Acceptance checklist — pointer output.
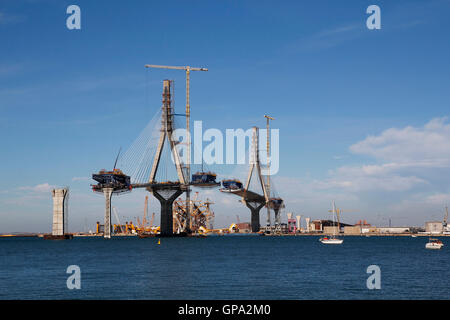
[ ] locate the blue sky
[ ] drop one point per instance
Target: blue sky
(361, 113)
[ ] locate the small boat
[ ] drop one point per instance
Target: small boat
(413, 236)
(331, 240)
(434, 244)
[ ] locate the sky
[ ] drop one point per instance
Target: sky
(362, 114)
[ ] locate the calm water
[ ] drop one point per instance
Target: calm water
(233, 267)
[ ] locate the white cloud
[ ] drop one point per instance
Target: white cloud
(438, 199)
(427, 146)
(40, 188)
(405, 158)
(370, 177)
(408, 178)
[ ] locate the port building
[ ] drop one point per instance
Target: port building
(396, 230)
(434, 227)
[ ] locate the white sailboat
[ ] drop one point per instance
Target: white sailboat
(333, 239)
(434, 244)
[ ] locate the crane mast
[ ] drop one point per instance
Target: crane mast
(144, 220)
(268, 118)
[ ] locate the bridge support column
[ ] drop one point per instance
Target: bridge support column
(59, 211)
(167, 210)
(277, 220)
(277, 216)
(255, 207)
(107, 227)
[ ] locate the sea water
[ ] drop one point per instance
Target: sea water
(223, 267)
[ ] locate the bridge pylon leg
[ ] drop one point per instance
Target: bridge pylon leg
(277, 216)
(167, 211)
(255, 207)
(107, 226)
(277, 220)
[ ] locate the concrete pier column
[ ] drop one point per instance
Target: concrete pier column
(107, 227)
(167, 210)
(60, 197)
(255, 208)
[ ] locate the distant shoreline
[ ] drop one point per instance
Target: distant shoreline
(40, 235)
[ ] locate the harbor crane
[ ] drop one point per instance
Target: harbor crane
(338, 215)
(188, 70)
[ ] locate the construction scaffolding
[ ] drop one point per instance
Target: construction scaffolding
(201, 217)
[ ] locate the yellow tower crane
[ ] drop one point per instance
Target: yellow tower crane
(188, 70)
(338, 215)
(268, 118)
(144, 220)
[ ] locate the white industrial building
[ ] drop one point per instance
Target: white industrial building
(434, 227)
(393, 229)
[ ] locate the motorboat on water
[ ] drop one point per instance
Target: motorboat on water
(434, 244)
(331, 240)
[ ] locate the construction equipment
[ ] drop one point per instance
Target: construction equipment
(200, 219)
(233, 228)
(115, 179)
(151, 221)
(188, 70)
(145, 226)
(209, 214)
(140, 225)
(118, 228)
(144, 221)
(338, 215)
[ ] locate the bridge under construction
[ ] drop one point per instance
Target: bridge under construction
(167, 191)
